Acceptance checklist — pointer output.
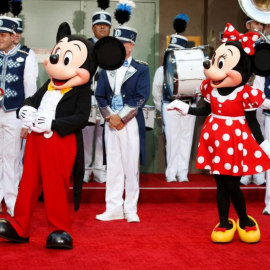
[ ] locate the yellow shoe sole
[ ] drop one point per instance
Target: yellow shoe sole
(250, 237)
(219, 237)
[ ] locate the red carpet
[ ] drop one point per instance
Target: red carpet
(170, 236)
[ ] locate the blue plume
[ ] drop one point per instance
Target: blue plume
(182, 16)
(124, 7)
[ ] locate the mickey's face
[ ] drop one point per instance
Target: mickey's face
(64, 64)
(220, 70)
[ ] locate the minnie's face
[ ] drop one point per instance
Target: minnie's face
(220, 72)
(64, 64)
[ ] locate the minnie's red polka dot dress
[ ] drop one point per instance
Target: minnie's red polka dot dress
(227, 145)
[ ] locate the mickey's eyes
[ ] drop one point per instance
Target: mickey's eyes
(221, 62)
(68, 58)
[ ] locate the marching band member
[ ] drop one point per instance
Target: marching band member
(121, 95)
(178, 130)
(92, 135)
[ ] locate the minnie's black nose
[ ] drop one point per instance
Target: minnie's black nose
(206, 64)
(54, 59)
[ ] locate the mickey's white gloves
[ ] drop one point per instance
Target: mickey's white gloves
(265, 145)
(180, 106)
(28, 114)
(43, 123)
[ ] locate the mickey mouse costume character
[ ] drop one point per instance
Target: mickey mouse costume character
(231, 143)
(56, 115)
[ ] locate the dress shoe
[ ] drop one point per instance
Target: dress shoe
(182, 178)
(223, 235)
(266, 210)
(59, 240)
(171, 179)
(107, 216)
(249, 235)
(11, 213)
(132, 217)
(245, 180)
(259, 179)
(8, 232)
(99, 176)
(86, 178)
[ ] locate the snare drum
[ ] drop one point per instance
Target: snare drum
(183, 72)
(149, 113)
(93, 116)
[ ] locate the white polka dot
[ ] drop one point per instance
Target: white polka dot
(254, 92)
(200, 160)
(207, 167)
(246, 95)
(242, 121)
(215, 127)
(226, 137)
(259, 168)
(228, 166)
(229, 122)
(238, 132)
(255, 37)
(245, 135)
(210, 149)
(240, 146)
(211, 119)
(216, 159)
(219, 111)
(233, 37)
(208, 96)
(235, 169)
(224, 39)
(219, 105)
(231, 28)
(216, 143)
(245, 168)
(247, 50)
(244, 152)
(206, 136)
(258, 154)
(230, 151)
(245, 39)
(216, 172)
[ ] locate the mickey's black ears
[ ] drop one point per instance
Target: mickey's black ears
(63, 31)
(261, 60)
(109, 53)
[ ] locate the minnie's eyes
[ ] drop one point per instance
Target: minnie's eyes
(221, 63)
(68, 58)
(58, 51)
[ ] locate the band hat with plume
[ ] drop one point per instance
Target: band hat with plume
(122, 14)
(7, 24)
(179, 24)
(16, 9)
(102, 16)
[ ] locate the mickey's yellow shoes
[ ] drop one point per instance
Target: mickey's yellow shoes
(249, 235)
(222, 235)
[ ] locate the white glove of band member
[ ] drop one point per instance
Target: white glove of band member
(28, 114)
(43, 123)
(265, 145)
(266, 104)
(178, 105)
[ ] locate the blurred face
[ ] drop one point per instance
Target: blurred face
(17, 39)
(267, 29)
(129, 47)
(254, 25)
(101, 30)
(6, 41)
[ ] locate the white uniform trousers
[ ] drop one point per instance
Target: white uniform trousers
(10, 144)
(267, 137)
(122, 151)
(179, 136)
(93, 150)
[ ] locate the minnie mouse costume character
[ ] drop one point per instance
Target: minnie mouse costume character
(56, 115)
(231, 143)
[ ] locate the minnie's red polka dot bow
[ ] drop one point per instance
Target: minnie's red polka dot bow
(247, 40)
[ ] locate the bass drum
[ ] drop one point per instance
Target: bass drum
(183, 72)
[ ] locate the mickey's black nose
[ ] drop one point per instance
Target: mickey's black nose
(54, 59)
(206, 64)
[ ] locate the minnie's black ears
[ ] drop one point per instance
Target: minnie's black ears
(261, 60)
(109, 53)
(63, 31)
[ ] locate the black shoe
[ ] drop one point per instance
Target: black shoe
(59, 240)
(9, 233)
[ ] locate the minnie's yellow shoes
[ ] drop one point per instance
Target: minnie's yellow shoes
(249, 235)
(222, 235)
